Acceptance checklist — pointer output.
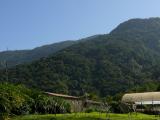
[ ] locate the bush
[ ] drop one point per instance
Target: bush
(119, 107)
(18, 100)
(89, 110)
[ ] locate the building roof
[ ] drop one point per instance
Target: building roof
(73, 98)
(62, 95)
(93, 102)
(148, 103)
(142, 98)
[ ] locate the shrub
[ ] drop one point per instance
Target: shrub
(19, 100)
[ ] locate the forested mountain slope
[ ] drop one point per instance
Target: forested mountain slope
(24, 56)
(103, 65)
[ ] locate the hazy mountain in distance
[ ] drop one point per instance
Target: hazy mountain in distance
(24, 56)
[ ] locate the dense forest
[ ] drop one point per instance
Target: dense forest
(16, 57)
(126, 58)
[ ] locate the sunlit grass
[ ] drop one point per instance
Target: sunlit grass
(87, 116)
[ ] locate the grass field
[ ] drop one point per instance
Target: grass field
(88, 116)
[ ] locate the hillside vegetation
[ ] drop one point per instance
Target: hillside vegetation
(103, 65)
(14, 58)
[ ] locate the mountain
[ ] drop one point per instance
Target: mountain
(127, 57)
(25, 56)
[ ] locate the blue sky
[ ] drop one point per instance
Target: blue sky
(25, 24)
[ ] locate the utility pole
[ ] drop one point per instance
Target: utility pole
(4, 65)
(6, 69)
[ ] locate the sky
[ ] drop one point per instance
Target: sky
(26, 24)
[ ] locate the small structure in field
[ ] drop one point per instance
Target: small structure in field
(78, 104)
(143, 102)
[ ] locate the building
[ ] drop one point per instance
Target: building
(78, 104)
(143, 102)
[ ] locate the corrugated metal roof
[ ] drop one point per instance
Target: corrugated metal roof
(62, 95)
(148, 103)
(93, 102)
(142, 97)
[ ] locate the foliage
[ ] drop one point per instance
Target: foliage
(102, 65)
(24, 56)
(18, 100)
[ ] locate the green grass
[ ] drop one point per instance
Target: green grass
(88, 116)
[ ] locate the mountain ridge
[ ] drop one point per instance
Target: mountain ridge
(103, 65)
(15, 57)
